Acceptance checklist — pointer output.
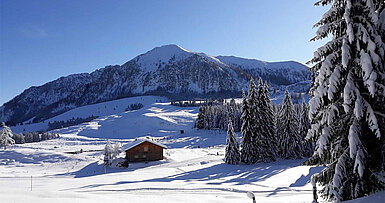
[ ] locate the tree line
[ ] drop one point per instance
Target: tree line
(268, 131)
(7, 137)
(70, 122)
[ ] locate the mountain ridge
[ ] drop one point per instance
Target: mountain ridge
(168, 70)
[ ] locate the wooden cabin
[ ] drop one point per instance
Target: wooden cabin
(143, 151)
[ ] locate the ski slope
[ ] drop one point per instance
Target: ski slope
(192, 171)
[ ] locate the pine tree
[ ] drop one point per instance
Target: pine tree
(276, 109)
(303, 127)
(232, 155)
(108, 153)
(200, 120)
(348, 94)
(6, 136)
(265, 142)
(270, 120)
(289, 141)
(247, 151)
(255, 117)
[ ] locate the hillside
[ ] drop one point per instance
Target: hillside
(192, 171)
(193, 164)
(101, 110)
(168, 70)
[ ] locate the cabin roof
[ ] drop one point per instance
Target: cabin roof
(140, 141)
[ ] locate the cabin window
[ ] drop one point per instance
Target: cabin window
(136, 156)
(144, 156)
(145, 148)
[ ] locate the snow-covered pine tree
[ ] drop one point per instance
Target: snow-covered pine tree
(6, 136)
(232, 155)
(270, 118)
(276, 109)
(288, 138)
(234, 115)
(347, 106)
(201, 118)
(247, 150)
(303, 127)
(265, 148)
(255, 117)
(108, 153)
(207, 118)
(230, 109)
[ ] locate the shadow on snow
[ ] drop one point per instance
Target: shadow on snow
(219, 174)
(10, 157)
(96, 168)
(303, 180)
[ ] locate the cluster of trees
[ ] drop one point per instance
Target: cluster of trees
(135, 106)
(33, 137)
(216, 117)
(192, 103)
(70, 122)
(347, 110)
(7, 137)
(269, 132)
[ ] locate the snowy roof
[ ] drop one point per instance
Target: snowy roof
(138, 142)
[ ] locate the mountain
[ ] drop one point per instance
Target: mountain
(280, 73)
(168, 70)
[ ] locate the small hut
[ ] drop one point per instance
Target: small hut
(143, 150)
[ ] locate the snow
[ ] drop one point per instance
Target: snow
(345, 53)
(101, 109)
(261, 65)
(138, 142)
(193, 169)
(375, 198)
(160, 56)
(246, 63)
(188, 174)
(355, 146)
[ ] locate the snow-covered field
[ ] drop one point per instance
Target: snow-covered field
(193, 170)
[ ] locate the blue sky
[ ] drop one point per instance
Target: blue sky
(42, 40)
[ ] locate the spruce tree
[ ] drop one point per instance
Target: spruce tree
(232, 155)
(247, 151)
(200, 120)
(289, 141)
(347, 99)
(263, 126)
(270, 120)
(303, 127)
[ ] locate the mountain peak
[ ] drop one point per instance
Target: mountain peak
(159, 56)
(171, 48)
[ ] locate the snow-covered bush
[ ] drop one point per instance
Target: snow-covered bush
(119, 163)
